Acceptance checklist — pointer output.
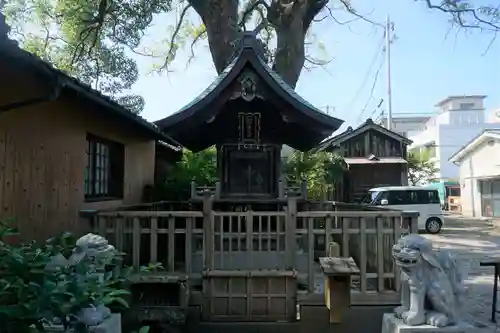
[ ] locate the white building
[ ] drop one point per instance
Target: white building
(459, 119)
(479, 165)
(405, 124)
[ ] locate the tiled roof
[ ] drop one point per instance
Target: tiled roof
(246, 53)
(333, 141)
(15, 53)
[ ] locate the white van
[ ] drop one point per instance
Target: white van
(411, 198)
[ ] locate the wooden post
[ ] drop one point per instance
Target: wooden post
(333, 250)
(338, 273)
(290, 227)
(207, 231)
(281, 189)
(217, 190)
(303, 189)
(193, 189)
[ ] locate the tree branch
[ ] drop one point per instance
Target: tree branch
(193, 43)
(458, 9)
(172, 46)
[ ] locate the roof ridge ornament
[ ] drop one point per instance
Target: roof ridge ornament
(248, 40)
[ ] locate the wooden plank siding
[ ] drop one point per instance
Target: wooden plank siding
(42, 158)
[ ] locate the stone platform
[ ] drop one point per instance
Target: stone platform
(391, 324)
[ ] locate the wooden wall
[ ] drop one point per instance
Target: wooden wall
(42, 158)
(363, 177)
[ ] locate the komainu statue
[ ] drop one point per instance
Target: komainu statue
(432, 289)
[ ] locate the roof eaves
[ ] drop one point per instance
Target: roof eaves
(466, 148)
(68, 81)
(287, 89)
(205, 96)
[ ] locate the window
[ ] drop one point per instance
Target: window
(453, 191)
(466, 106)
(428, 197)
(104, 170)
(409, 197)
(399, 198)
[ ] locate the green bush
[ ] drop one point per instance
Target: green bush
(31, 295)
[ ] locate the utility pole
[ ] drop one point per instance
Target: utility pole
(388, 65)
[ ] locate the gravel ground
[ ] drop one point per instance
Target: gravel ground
(473, 241)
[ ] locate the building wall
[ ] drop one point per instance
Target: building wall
(42, 159)
(460, 120)
(482, 162)
(405, 125)
(464, 102)
(451, 139)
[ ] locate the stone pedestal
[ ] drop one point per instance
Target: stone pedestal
(111, 325)
(391, 324)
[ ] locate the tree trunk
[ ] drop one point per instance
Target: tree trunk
(221, 21)
(290, 18)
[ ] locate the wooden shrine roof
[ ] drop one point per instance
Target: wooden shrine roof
(367, 125)
(207, 106)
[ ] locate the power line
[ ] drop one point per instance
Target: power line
(375, 79)
(376, 55)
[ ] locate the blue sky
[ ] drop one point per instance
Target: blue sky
(427, 65)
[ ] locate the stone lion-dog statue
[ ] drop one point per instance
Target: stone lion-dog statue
(432, 288)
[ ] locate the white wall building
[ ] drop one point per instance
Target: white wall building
(479, 163)
(406, 125)
(459, 119)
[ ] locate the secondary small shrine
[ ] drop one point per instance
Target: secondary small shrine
(248, 113)
(375, 157)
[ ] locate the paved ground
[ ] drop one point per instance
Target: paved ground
(472, 241)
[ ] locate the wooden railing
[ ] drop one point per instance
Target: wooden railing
(155, 237)
(191, 242)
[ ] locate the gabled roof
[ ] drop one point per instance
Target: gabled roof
(470, 146)
(10, 51)
(350, 133)
(248, 53)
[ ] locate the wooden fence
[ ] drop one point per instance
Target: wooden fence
(189, 243)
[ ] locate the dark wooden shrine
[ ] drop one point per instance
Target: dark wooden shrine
(375, 157)
(248, 113)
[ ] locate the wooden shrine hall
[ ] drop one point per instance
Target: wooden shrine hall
(249, 112)
(375, 157)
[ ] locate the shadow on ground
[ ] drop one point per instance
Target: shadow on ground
(472, 241)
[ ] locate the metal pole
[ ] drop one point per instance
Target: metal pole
(388, 64)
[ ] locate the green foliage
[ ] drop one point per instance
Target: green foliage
(321, 170)
(152, 268)
(420, 170)
(31, 294)
(70, 35)
(200, 167)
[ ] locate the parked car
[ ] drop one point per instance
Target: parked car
(411, 198)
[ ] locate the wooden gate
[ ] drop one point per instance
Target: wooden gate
(266, 295)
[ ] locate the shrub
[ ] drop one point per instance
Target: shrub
(31, 295)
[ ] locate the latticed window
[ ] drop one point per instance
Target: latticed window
(104, 169)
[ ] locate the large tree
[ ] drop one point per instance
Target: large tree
(88, 38)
